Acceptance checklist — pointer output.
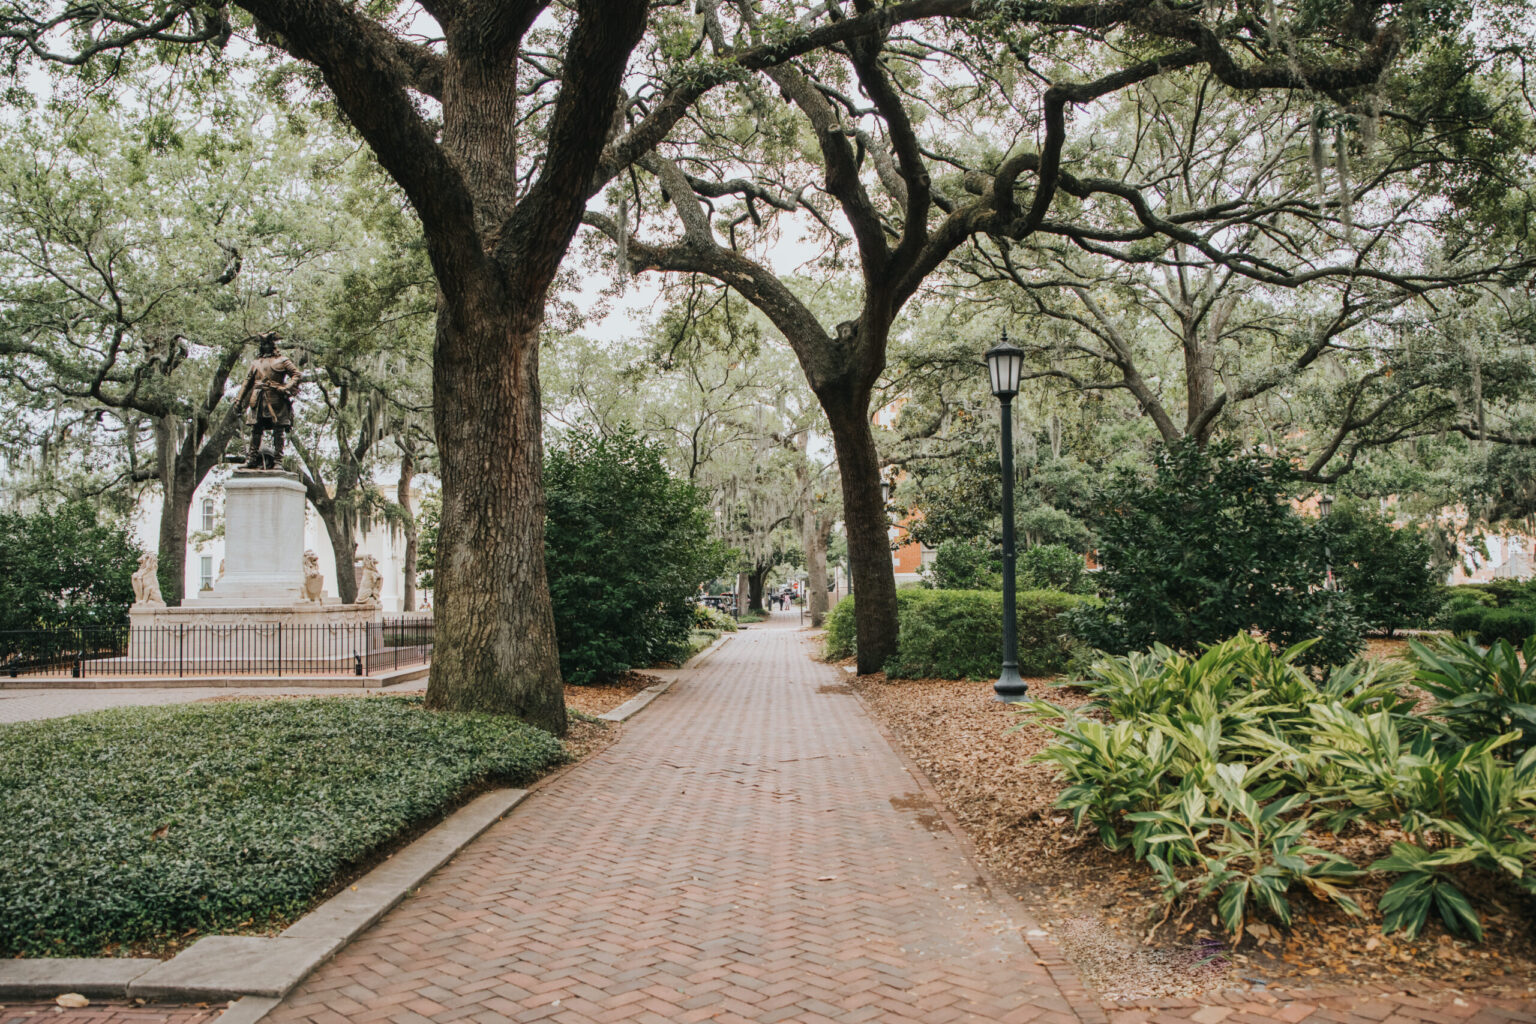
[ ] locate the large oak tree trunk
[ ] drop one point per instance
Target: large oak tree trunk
(495, 644)
(868, 525)
(755, 580)
(175, 510)
(817, 532)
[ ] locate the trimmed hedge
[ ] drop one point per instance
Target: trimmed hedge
(137, 826)
(955, 634)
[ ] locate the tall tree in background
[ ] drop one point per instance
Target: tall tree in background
(499, 184)
(139, 251)
(861, 140)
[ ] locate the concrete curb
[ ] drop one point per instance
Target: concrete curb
(624, 712)
(261, 968)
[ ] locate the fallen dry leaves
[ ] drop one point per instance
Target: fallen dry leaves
(1100, 904)
(602, 698)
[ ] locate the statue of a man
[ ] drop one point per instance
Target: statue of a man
(267, 400)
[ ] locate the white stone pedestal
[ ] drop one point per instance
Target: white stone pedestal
(263, 541)
(256, 618)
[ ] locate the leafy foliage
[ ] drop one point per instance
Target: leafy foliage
(705, 617)
(958, 634)
(65, 568)
(1208, 546)
(626, 546)
(1482, 694)
(963, 565)
(1223, 770)
(1053, 567)
(1386, 570)
(137, 825)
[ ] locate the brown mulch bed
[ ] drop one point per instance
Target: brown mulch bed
(1101, 905)
(604, 697)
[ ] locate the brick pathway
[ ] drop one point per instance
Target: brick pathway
(751, 850)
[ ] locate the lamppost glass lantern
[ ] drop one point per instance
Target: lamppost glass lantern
(1005, 366)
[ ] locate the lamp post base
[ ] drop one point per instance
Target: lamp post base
(1010, 687)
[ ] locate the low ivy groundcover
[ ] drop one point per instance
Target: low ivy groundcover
(133, 827)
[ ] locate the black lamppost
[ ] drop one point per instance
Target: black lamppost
(1325, 506)
(1005, 363)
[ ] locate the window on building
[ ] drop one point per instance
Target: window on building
(206, 571)
(207, 517)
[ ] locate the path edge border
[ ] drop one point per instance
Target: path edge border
(257, 982)
(1084, 1004)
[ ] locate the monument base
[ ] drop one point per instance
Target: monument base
(305, 638)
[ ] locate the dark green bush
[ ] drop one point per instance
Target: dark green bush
(1210, 545)
(1466, 619)
(955, 634)
(1385, 569)
(841, 640)
(1052, 567)
(626, 547)
(964, 565)
(64, 568)
(958, 634)
(136, 825)
(1511, 624)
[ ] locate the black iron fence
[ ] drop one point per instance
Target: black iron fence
(248, 649)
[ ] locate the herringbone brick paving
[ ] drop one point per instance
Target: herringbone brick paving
(741, 854)
(751, 850)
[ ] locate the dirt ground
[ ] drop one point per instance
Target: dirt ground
(599, 700)
(1102, 906)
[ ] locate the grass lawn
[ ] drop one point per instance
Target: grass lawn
(132, 829)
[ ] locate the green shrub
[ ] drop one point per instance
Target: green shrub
(1386, 570)
(958, 634)
(841, 640)
(1053, 567)
(964, 565)
(1210, 545)
(1509, 624)
(705, 617)
(1221, 769)
(64, 568)
(1466, 619)
(137, 825)
(1481, 695)
(626, 547)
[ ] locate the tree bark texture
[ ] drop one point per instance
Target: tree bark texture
(495, 647)
(868, 525)
(175, 510)
(755, 581)
(818, 530)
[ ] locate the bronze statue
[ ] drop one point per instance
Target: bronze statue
(267, 400)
